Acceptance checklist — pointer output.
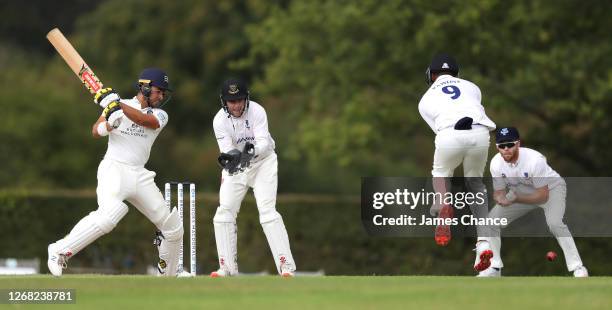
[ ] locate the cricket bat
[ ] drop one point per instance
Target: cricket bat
(74, 60)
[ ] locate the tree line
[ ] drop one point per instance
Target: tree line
(340, 81)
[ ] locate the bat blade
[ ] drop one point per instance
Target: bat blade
(74, 60)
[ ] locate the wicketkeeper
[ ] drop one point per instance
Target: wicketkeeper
(248, 160)
(132, 125)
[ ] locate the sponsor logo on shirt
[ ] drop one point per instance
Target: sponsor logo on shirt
(244, 139)
(135, 130)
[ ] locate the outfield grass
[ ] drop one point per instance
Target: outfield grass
(375, 292)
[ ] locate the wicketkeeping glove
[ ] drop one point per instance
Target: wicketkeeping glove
(230, 161)
(247, 155)
(105, 96)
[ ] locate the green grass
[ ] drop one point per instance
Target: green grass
(335, 292)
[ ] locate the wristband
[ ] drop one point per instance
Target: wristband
(102, 130)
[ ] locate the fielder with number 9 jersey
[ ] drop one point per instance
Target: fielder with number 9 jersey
(452, 108)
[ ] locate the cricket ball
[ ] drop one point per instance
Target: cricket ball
(551, 256)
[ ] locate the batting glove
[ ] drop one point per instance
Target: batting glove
(113, 113)
(115, 118)
(105, 96)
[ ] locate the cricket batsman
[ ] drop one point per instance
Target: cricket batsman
(452, 108)
(132, 125)
(523, 181)
(248, 160)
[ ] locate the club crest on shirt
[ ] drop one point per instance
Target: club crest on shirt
(161, 116)
(503, 175)
(526, 174)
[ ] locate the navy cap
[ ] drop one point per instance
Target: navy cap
(154, 77)
(506, 134)
(234, 89)
(444, 62)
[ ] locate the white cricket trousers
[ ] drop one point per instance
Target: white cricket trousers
(116, 182)
(554, 209)
(467, 147)
(454, 147)
(262, 176)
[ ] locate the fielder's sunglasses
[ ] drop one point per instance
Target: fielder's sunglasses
(506, 145)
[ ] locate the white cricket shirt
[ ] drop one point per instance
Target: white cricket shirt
(131, 143)
(252, 126)
(450, 99)
(528, 173)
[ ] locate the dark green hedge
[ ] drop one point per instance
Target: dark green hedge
(324, 236)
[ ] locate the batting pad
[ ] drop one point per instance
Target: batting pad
(90, 228)
(226, 236)
(172, 230)
(276, 233)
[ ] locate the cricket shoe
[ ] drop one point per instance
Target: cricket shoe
(581, 272)
(483, 255)
(184, 274)
(287, 272)
(490, 272)
(443, 232)
(222, 273)
(287, 269)
(56, 261)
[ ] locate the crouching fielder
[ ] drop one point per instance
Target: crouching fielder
(131, 126)
(523, 181)
(248, 160)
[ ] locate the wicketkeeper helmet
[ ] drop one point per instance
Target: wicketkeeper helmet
(234, 89)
